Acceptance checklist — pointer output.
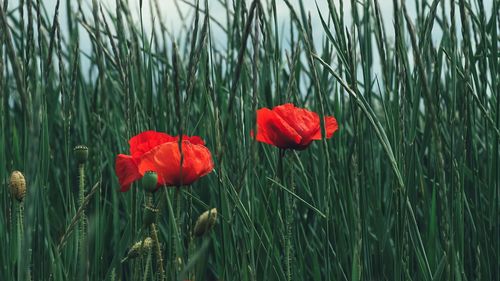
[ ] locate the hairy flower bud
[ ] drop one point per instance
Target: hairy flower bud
(139, 248)
(205, 222)
(17, 185)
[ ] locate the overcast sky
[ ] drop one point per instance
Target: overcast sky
(170, 14)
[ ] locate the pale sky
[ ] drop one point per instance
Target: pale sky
(170, 13)
(171, 17)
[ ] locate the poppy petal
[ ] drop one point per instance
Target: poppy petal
(146, 163)
(126, 170)
(305, 122)
(193, 139)
(159, 152)
(272, 129)
(197, 162)
(146, 141)
(331, 126)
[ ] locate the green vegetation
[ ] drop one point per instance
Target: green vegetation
(407, 189)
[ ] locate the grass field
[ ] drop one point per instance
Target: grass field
(406, 189)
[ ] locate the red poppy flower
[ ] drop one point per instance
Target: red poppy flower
(287, 126)
(159, 152)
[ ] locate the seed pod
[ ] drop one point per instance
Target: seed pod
(17, 185)
(149, 181)
(205, 222)
(139, 248)
(81, 153)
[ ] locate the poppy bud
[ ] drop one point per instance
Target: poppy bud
(81, 153)
(149, 181)
(139, 248)
(17, 185)
(205, 222)
(149, 216)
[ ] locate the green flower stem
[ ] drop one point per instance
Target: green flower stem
(148, 265)
(288, 235)
(190, 230)
(20, 235)
(21, 219)
(154, 235)
(290, 201)
(178, 253)
(83, 220)
(135, 269)
(288, 244)
(81, 198)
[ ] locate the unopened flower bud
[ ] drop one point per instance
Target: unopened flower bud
(149, 181)
(205, 222)
(81, 153)
(139, 248)
(17, 185)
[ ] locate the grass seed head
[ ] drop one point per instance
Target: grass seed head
(17, 185)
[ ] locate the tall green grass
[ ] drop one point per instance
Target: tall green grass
(407, 189)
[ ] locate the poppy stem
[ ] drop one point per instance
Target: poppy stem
(83, 222)
(20, 234)
(288, 244)
(280, 165)
(178, 258)
(154, 235)
(189, 230)
(148, 265)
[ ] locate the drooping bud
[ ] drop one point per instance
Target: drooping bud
(149, 181)
(81, 153)
(17, 185)
(139, 248)
(205, 222)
